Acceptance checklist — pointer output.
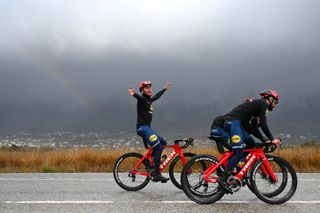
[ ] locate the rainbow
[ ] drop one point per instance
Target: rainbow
(72, 89)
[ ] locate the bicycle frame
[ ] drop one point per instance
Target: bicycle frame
(251, 158)
(176, 150)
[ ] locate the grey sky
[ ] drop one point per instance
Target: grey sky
(73, 60)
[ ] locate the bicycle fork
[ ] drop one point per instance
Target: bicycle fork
(265, 167)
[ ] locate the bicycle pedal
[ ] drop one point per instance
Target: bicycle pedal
(226, 191)
(156, 181)
(224, 186)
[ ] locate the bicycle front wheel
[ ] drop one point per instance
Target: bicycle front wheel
(176, 167)
(274, 189)
(123, 175)
(268, 190)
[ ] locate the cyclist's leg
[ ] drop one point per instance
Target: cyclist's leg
(250, 143)
(163, 142)
(157, 158)
(141, 132)
(220, 132)
(248, 140)
(236, 142)
(155, 143)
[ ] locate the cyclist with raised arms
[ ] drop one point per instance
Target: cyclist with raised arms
(144, 118)
(243, 119)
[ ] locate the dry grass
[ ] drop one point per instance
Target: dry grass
(304, 158)
(85, 160)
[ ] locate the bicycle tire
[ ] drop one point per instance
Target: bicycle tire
(280, 188)
(273, 199)
(189, 190)
(172, 167)
(119, 180)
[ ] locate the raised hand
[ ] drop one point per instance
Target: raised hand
(131, 91)
(168, 85)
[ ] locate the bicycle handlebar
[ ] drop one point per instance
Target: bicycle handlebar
(188, 142)
(267, 147)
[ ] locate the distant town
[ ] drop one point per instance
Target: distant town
(105, 140)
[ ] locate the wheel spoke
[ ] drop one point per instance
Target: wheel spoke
(124, 176)
(274, 192)
(195, 187)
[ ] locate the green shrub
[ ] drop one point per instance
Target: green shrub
(49, 169)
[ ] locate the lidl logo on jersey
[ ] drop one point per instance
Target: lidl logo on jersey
(236, 139)
(153, 138)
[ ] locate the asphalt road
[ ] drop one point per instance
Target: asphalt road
(94, 192)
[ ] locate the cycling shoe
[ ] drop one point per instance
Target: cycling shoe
(159, 177)
(224, 186)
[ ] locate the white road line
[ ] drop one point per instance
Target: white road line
(189, 201)
(309, 179)
(231, 202)
(154, 202)
(60, 202)
(55, 179)
(305, 202)
(170, 202)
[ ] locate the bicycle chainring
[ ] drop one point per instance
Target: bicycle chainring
(234, 183)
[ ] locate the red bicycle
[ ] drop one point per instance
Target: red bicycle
(271, 178)
(133, 171)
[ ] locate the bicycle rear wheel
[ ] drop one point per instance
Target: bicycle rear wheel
(176, 167)
(123, 175)
(193, 185)
(274, 192)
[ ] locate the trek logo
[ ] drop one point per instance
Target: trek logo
(163, 165)
(248, 164)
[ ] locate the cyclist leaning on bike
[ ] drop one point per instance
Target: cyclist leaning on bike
(236, 127)
(144, 118)
(251, 127)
